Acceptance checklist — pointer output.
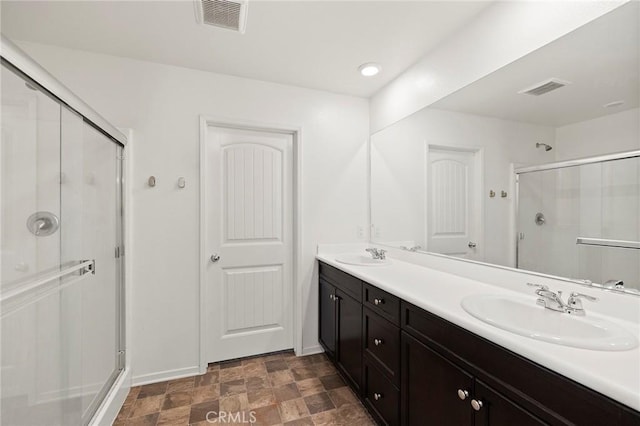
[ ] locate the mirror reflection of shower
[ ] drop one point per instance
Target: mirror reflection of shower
(579, 219)
(546, 147)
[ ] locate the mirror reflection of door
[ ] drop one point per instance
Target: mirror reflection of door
(453, 202)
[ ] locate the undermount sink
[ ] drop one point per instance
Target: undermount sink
(361, 260)
(522, 316)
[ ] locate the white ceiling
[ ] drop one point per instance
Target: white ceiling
(314, 44)
(601, 59)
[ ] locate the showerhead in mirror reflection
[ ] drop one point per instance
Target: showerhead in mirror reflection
(432, 172)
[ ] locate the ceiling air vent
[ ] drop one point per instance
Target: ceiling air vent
(227, 14)
(544, 87)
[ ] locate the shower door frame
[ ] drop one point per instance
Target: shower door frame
(22, 65)
(556, 166)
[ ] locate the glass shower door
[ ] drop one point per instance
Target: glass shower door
(60, 280)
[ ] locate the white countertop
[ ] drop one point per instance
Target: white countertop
(615, 374)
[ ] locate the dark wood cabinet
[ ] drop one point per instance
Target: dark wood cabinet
(438, 392)
(327, 307)
(411, 367)
(497, 410)
(340, 321)
(381, 396)
(381, 343)
(348, 356)
(430, 386)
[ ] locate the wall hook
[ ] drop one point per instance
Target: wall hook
(181, 182)
(152, 181)
(503, 194)
(492, 193)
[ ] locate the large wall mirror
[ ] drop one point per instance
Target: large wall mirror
(487, 173)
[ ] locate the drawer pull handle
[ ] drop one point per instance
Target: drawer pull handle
(377, 396)
(378, 342)
(476, 404)
(378, 302)
(463, 394)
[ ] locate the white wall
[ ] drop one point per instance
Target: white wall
(498, 36)
(398, 172)
(603, 135)
(162, 105)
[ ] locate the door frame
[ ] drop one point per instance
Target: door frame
(296, 135)
(478, 159)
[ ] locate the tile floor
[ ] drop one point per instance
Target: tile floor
(273, 389)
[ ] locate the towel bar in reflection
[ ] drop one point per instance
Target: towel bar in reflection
(600, 242)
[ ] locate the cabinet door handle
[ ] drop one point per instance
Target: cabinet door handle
(377, 396)
(378, 301)
(378, 342)
(463, 394)
(476, 404)
(332, 297)
(336, 298)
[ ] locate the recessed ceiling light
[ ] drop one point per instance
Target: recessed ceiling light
(369, 69)
(613, 104)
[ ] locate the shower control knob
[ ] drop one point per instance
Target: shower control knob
(215, 257)
(472, 244)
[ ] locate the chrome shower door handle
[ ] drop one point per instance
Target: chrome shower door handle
(215, 257)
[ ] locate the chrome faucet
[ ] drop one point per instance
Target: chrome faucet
(619, 284)
(553, 301)
(575, 303)
(548, 298)
(377, 253)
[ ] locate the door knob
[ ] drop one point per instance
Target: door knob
(215, 257)
(377, 396)
(377, 342)
(472, 244)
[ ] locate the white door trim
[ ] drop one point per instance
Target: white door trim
(296, 133)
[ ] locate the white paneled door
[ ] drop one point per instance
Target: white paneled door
(248, 227)
(453, 203)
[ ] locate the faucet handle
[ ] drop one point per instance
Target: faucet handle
(575, 302)
(575, 296)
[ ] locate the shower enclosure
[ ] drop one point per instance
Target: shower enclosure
(61, 277)
(581, 219)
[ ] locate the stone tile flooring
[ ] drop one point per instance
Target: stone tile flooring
(272, 389)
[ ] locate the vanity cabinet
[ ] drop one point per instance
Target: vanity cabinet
(436, 391)
(341, 322)
(381, 357)
(411, 367)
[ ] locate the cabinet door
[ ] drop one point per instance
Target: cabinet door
(349, 349)
(497, 410)
(430, 384)
(328, 317)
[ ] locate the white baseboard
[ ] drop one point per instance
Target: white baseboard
(310, 350)
(163, 376)
(108, 411)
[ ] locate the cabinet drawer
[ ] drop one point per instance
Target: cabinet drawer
(381, 396)
(383, 303)
(342, 280)
(382, 343)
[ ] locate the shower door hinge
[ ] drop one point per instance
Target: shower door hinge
(118, 252)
